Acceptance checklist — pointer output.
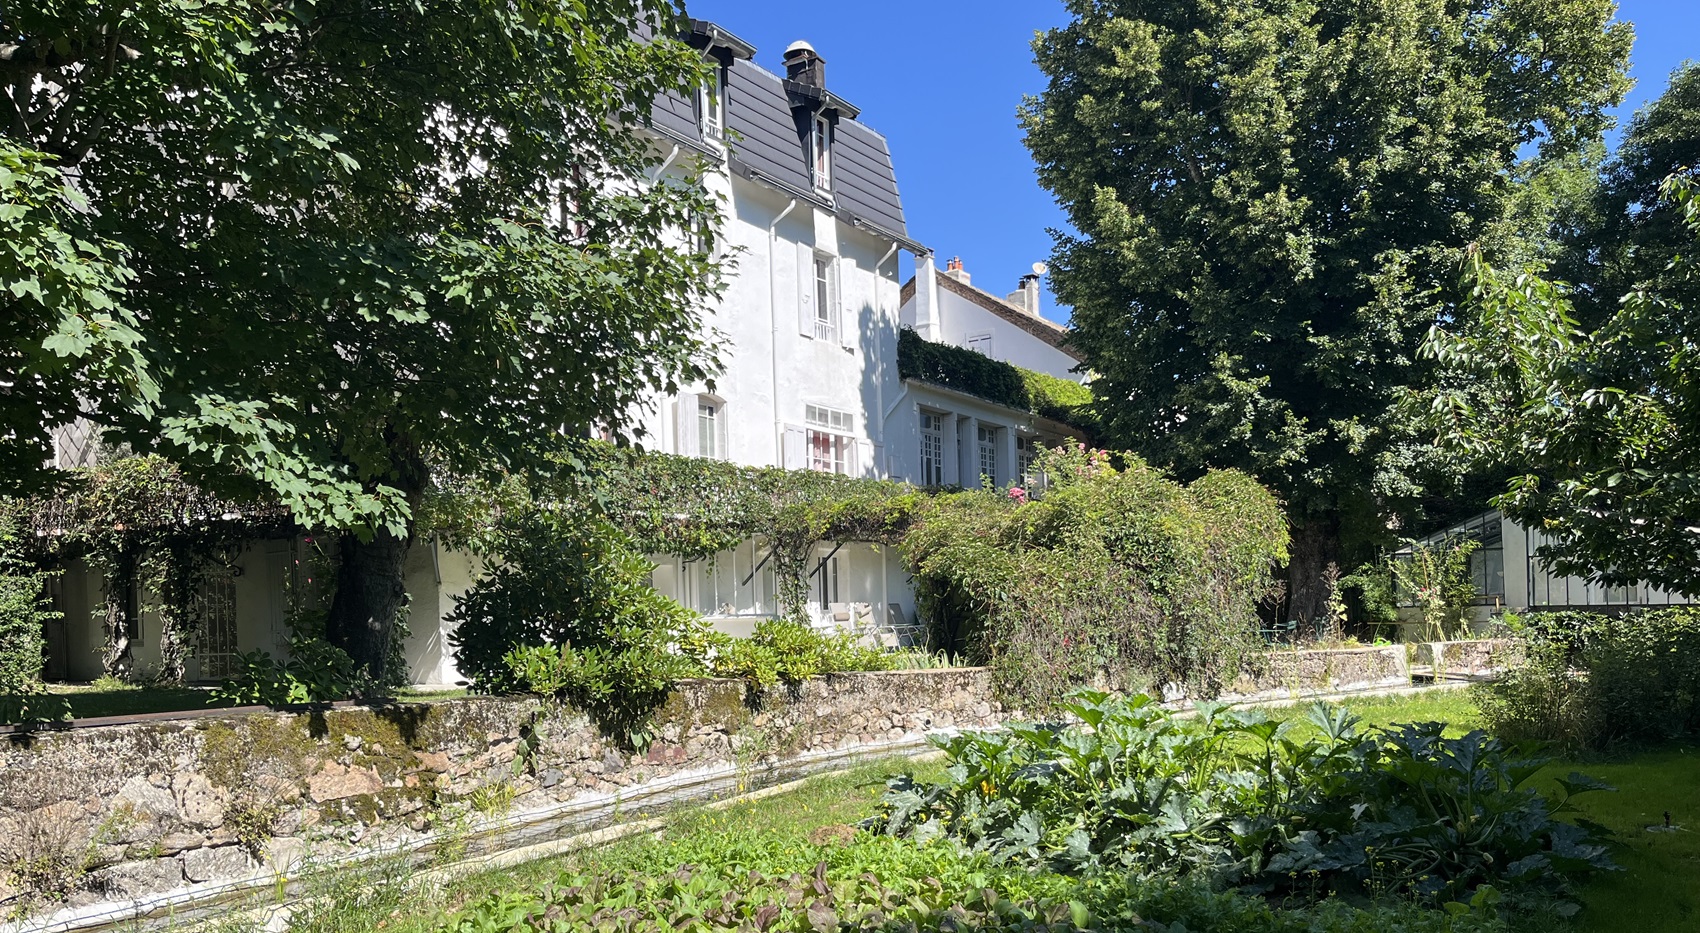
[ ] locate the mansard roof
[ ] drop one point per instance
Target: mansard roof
(767, 140)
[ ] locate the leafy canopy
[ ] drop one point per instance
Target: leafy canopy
(1270, 198)
(1601, 424)
(361, 235)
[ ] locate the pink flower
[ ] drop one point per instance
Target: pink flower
(1018, 494)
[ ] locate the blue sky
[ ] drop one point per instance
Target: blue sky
(942, 79)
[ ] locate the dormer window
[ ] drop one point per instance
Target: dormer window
(711, 103)
(820, 148)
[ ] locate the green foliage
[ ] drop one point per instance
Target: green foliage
(1058, 399)
(886, 885)
(1271, 199)
(573, 584)
(66, 339)
(1599, 424)
(1436, 579)
(959, 368)
(1593, 680)
(976, 374)
(790, 652)
(1127, 575)
(690, 507)
(24, 607)
(316, 672)
(340, 317)
(1632, 232)
(1374, 585)
(1236, 797)
(141, 524)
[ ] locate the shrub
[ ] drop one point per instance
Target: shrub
(1122, 577)
(1233, 796)
(316, 672)
(1436, 579)
(24, 610)
(560, 580)
(787, 651)
(1592, 680)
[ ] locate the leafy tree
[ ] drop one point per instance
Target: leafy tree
(1603, 424)
(67, 345)
(1271, 199)
(1633, 232)
(375, 240)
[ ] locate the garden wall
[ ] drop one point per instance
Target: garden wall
(122, 813)
(1281, 674)
(1480, 658)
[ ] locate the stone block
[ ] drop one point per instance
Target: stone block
(220, 864)
(336, 781)
(134, 879)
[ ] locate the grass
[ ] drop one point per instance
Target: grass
(1659, 888)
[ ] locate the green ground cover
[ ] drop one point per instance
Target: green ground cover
(114, 698)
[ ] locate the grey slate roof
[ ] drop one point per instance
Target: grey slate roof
(766, 137)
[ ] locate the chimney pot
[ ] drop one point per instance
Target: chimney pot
(804, 65)
(954, 270)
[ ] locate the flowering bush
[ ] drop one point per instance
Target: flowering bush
(1124, 577)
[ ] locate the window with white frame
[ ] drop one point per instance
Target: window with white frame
(987, 439)
(826, 317)
(1026, 448)
(711, 428)
(831, 439)
(980, 343)
(932, 449)
(711, 103)
(820, 150)
(828, 572)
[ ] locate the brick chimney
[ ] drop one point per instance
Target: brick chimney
(804, 65)
(954, 270)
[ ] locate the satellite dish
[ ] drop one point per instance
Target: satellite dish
(1040, 268)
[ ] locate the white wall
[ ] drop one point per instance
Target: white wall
(774, 365)
(955, 319)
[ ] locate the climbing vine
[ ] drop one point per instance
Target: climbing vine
(145, 531)
(689, 507)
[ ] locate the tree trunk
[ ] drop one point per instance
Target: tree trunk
(370, 586)
(1315, 545)
(370, 591)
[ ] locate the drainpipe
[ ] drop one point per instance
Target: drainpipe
(773, 318)
(879, 354)
(665, 164)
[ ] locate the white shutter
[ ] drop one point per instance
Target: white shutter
(805, 289)
(848, 325)
(687, 433)
(722, 428)
(796, 448)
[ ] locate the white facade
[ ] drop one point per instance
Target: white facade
(947, 308)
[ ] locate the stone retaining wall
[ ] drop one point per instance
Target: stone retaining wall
(1478, 658)
(116, 813)
(1281, 674)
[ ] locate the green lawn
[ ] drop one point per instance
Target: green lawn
(1659, 888)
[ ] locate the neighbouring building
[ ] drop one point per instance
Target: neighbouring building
(1509, 573)
(811, 325)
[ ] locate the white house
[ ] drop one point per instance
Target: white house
(809, 331)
